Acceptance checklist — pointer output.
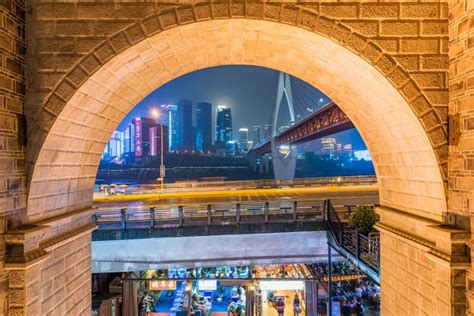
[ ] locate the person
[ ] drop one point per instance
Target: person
(232, 309)
(147, 303)
(194, 303)
(360, 308)
(280, 307)
(346, 308)
(296, 305)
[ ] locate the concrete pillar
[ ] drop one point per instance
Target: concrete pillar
(423, 265)
(284, 166)
(49, 266)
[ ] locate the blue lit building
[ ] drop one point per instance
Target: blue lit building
(185, 127)
(171, 113)
(204, 126)
(223, 125)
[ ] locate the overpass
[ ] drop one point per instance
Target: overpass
(138, 230)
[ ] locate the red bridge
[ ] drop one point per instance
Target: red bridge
(326, 121)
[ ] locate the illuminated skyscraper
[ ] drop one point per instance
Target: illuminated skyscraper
(266, 132)
(142, 135)
(328, 146)
(115, 144)
(170, 111)
(256, 135)
(243, 138)
(155, 140)
(223, 125)
(203, 126)
(126, 144)
(185, 127)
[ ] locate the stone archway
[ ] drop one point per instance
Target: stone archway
(331, 46)
(405, 148)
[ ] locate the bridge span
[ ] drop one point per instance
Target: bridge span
(325, 121)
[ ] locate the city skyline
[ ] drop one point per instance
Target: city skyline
(251, 99)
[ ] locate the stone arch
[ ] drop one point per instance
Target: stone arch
(84, 107)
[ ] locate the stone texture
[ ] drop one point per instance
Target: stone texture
(461, 105)
(355, 25)
(12, 135)
(76, 52)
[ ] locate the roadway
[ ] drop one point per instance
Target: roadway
(340, 195)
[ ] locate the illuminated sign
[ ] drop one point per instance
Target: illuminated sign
(207, 285)
(138, 137)
(281, 285)
(351, 277)
(157, 285)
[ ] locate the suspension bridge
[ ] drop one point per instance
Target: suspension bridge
(313, 120)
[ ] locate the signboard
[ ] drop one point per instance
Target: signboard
(138, 137)
(207, 285)
(282, 285)
(156, 285)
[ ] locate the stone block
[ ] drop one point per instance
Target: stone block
(339, 11)
(379, 10)
(397, 28)
(419, 10)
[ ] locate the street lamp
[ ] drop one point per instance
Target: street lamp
(156, 115)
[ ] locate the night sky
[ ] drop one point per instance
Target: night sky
(250, 92)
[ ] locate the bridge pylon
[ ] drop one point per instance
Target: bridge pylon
(283, 156)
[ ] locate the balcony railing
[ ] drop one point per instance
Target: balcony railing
(365, 249)
(201, 215)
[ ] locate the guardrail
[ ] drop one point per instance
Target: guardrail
(211, 214)
(365, 249)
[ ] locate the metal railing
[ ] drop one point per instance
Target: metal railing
(215, 214)
(365, 249)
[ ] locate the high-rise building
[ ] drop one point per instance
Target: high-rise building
(348, 152)
(142, 135)
(203, 126)
(223, 125)
(328, 145)
(185, 128)
(266, 132)
(243, 138)
(131, 135)
(115, 144)
(155, 140)
(170, 112)
(126, 143)
(257, 135)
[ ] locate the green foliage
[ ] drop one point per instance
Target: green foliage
(363, 219)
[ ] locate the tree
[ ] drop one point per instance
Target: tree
(364, 219)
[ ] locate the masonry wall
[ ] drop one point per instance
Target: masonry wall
(12, 127)
(69, 42)
(461, 111)
(59, 285)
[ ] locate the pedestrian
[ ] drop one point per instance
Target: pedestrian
(296, 306)
(280, 307)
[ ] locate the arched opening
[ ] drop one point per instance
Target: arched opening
(407, 169)
(217, 125)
